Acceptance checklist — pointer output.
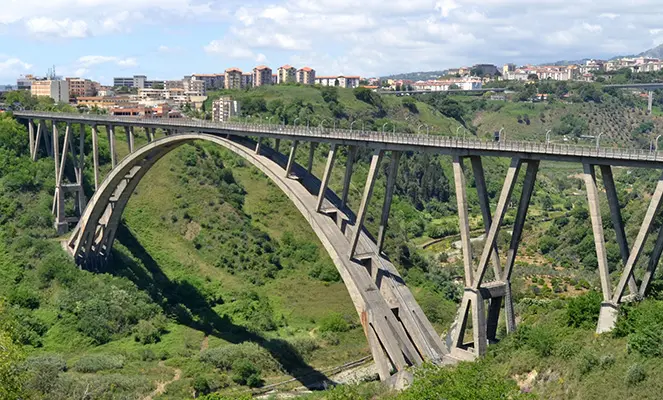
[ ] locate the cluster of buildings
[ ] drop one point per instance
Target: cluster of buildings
(235, 78)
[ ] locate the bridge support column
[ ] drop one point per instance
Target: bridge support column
(95, 155)
(291, 158)
(368, 193)
(61, 223)
(325, 177)
(607, 317)
(617, 221)
(31, 133)
(111, 141)
(311, 154)
(129, 131)
(650, 101)
(352, 151)
(48, 139)
(35, 148)
(258, 144)
(497, 292)
(388, 196)
(277, 145)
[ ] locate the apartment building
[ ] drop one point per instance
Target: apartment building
(247, 80)
(193, 87)
(224, 108)
(448, 84)
(233, 78)
(58, 90)
(80, 87)
(306, 76)
(262, 75)
(350, 82)
(106, 103)
(212, 81)
(137, 81)
(25, 82)
(286, 74)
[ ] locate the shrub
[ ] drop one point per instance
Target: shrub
(147, 332)
(325, 272)
(44, 371)
(330, 338)
(304, 346)
(466, 381)
(223, 357)
(246, 373)
(542, 339)
(334, 323)
(644, 327)
(99, 362)
(583, 311)
(587, 361)
(205, 384)
(24, 297)
(635, 374)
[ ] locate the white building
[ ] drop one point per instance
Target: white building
(350, 82)
(224, 108)
(443, 86)
(58, 90)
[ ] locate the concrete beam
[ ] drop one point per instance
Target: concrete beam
(652, 264)
(484, 203)
(617, 220)
(325, 177)
(463, 218)
(31, 133)
(129, 131)
(347, 178)
(35, 148)
(639, 244)
(110, 130)
(95, 155)
(277, 145)
(258, 144)
(597, 228)
(311, 154)
(291, 158)
(650, 101)
(519, 223)
(491, 237)
(388, 196)
(368, 192)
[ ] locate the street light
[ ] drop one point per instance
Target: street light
(419, 128)
(352, 123)
(598, 138)
(548, 136)
(295, 121)
(657, 137)
(459, 126)
(269, 120)
(383, 126)
(322, 123)
(499, 134)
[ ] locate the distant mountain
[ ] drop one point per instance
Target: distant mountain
(567, 62)
(416, 76)
(656, 52)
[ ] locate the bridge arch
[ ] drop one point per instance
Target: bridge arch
(398, 332)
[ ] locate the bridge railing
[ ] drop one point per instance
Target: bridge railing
(359, 135)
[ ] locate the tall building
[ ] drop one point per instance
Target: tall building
(306, 76)
(262, 75)
(224, 108)
(80, 87)
(57, 90)
(507, 68)
(212, 81)
(137, 81)
(233, 78)
(193, 87)
(247, 80)
(25, 82)
(286, 74)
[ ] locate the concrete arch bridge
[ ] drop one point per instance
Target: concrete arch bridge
(397, 331)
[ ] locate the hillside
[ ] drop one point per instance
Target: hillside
(654, 52)
(217, 283)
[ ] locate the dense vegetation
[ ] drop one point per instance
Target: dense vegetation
(211, 284)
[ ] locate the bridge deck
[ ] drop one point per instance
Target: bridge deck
(382, 140)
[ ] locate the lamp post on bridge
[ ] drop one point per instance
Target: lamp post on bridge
(269, 120)
(598, 141)
(499, 134)
(322, 123)
(457, 134)
(383, 126)
(352, 123)
(295, 121)
(656, 142)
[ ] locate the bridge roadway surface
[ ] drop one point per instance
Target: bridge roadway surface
(381, 140)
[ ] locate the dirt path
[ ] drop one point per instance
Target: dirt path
(161, 386)
(205, 344)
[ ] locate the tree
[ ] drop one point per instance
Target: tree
(533, 77)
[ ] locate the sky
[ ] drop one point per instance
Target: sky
(167, 39)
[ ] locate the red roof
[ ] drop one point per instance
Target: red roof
(233, 69)
(286, 66)
(307, 69)
(261, 67)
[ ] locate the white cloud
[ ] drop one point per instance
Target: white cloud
(90, 61)
(445, 7)
(10, 65)
(65, 28)
(591, 28)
